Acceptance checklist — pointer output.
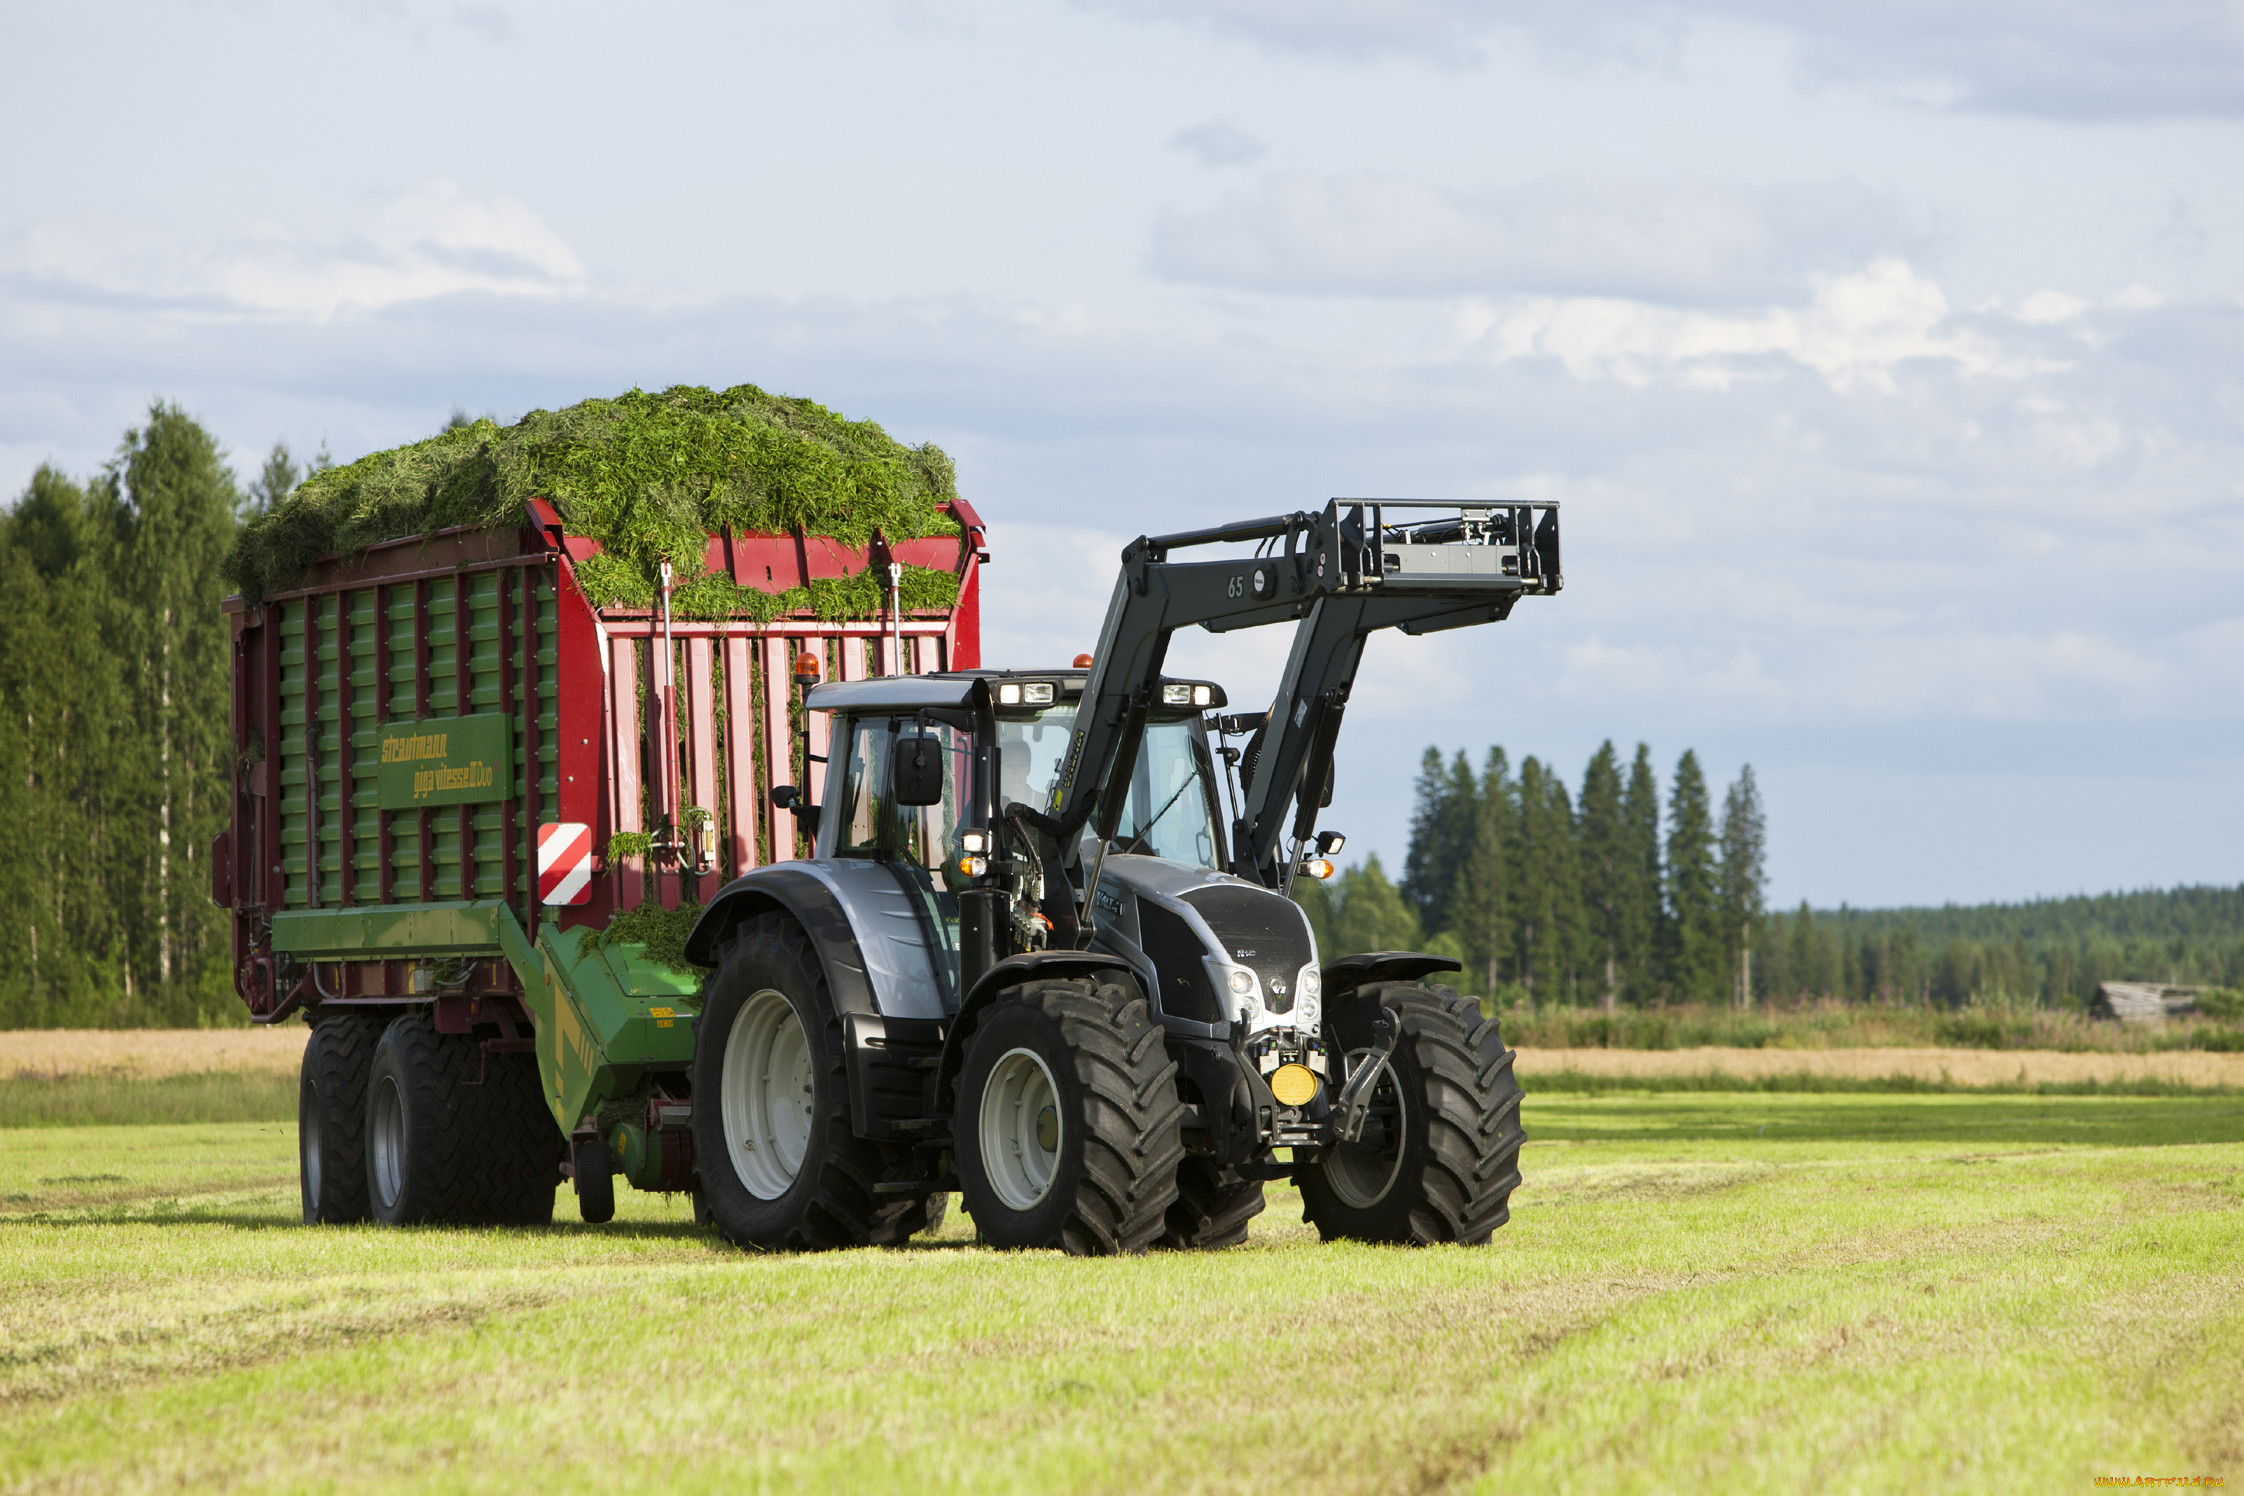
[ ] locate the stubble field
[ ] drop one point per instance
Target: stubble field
(1697, 1291)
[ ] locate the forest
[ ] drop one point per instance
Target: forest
(1624, 895)
(114, 771)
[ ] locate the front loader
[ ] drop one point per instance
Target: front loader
(1033, 960)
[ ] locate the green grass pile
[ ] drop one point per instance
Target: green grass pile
(646, 475)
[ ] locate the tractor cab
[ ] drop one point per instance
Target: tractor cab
(920, 783)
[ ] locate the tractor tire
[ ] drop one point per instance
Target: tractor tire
(455, 1136)
(1445, 1169)
(1213, 1205)
(781, 1168)
(594, 1174)
(1067, 1128)
(331, 1119)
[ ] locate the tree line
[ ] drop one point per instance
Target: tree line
(1606, 897)
(2040, 952)
(1622, 896)
(114, 734)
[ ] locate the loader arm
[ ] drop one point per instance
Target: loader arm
(1358, 566)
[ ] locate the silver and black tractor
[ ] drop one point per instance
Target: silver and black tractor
(1044, 952)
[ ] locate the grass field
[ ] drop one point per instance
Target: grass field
(1697, 1292)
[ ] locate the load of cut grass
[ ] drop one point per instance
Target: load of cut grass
(646, 475)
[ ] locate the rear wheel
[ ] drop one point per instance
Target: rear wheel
(331, 1119)
(454, 1135)
(780, 1165)
(1440, 1156)
(1067, 1119)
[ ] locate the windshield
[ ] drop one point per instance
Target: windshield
(1167, 811)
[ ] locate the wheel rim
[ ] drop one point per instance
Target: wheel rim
(388, 1142)
(767, 1096)
(1361, 1176)
(307, 1133)
(1020, 1128)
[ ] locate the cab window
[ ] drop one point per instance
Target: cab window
(871, 825)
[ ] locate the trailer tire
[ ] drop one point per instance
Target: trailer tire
(770, 1177)
(331, 1119)
(1213, 1205)
(1067, 1128)
(594, 1174)
(454, 1135)
(1450, 1176)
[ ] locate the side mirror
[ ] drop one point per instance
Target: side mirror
(1329, 842)
(784, 796)
(915, 770)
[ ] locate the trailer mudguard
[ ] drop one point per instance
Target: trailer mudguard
(1350, 972)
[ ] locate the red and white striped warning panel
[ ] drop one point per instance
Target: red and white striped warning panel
(564, 862)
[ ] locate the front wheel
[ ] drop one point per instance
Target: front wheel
(1067, 1119)
(1439, 1158)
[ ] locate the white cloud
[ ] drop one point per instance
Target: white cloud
(1858, 329)
(1221, 141)
(2075, 59)
(2048, 308)
(1382, 234)
(436, 240)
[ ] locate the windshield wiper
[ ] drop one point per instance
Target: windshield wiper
(1140, 836)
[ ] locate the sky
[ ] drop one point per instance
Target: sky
(1887, 361)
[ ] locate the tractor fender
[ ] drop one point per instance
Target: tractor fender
(1011, 972)
(811, 904)
(1350, 972)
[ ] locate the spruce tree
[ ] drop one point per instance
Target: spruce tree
(1485, 917)
(1642, 919)
(273, 483)
(1548, 891)
(1607, 875)
(1693, 892)
(1441, 837)
(1372, 914)
(1744, 849)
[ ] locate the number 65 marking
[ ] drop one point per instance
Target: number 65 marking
(1238, 587)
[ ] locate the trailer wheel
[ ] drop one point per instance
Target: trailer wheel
(1446, 1160)
(594, 1174)
(780, 1166)
(331, 1119)
(455, 1135)
(1213, 1205)
(1067, 1122)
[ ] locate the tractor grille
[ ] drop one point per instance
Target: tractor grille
(1262, 930)
(1180, 958)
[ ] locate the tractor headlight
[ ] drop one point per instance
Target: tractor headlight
(974, 843)
(1310, 985)
(1242, 982)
